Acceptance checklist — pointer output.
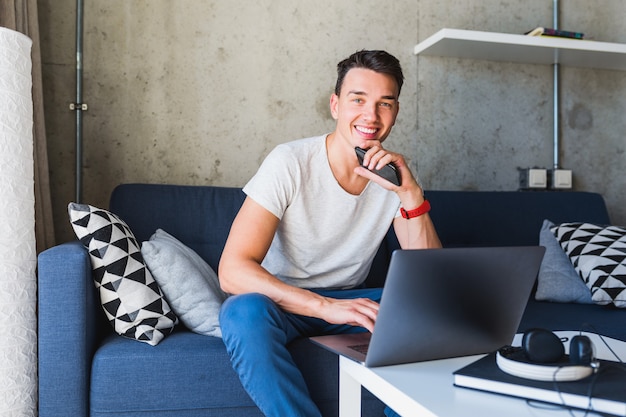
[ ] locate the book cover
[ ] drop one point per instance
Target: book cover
(541, 31)
(604, 391)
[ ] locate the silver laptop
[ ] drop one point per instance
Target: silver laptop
(444, 303)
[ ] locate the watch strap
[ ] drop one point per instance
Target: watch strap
(422, 209)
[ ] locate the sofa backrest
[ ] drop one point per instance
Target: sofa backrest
(496, 218)
(200, 216)
(506, 218)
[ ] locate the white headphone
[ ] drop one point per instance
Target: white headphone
(542, 358)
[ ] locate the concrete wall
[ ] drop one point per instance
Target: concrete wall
(198, 91)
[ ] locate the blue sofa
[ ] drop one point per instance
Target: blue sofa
(87, 370)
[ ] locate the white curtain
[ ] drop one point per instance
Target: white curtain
(18, 284)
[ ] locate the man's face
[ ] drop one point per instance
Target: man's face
(366, 107)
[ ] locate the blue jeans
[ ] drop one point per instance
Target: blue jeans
(256, 333)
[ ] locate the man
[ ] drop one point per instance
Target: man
(305, 236)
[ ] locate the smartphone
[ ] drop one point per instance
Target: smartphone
(388, 172)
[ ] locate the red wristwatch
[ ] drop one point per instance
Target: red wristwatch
(422, 209)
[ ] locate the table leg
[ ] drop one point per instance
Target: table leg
(349, 393)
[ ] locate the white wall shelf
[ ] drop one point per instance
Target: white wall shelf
(507, 47)
(547, 50)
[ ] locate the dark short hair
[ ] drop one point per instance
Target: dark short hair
(378, 61)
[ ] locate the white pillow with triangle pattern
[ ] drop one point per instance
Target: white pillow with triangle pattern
(130, 297)
(598, 254)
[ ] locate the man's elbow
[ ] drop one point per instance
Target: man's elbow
(224, 275)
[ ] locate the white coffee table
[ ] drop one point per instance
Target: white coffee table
(426, 388)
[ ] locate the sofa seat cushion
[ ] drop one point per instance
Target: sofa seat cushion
(188, 371)
(185, 371)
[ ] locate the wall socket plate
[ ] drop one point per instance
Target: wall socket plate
(560, 179)
(533, 178)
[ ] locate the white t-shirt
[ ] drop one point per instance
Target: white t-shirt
(327, 238)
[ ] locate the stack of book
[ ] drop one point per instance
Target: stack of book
(603, 392)
(541, 31)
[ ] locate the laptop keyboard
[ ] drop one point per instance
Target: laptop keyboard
(360, 348)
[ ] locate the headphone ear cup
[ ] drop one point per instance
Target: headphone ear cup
(581, 350)
(542, 346)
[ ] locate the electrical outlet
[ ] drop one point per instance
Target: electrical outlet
(561, 179)
(533, 178)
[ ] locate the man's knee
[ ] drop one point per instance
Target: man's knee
(246, 310)
(252, 326)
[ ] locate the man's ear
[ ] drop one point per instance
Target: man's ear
(334, 102)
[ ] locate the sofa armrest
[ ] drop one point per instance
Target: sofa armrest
(69, 318)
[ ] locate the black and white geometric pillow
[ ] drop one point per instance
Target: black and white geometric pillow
(598, 254)
(130, 297)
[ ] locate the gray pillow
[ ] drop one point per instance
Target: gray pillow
(558, 280)
(189, 284)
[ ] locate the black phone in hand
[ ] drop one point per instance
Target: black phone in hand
(388, 172)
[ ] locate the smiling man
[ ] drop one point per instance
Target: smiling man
(302, 244)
